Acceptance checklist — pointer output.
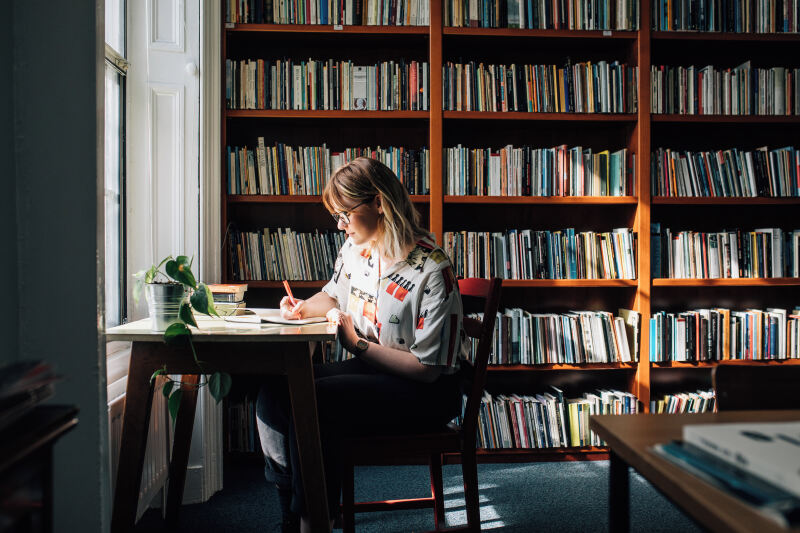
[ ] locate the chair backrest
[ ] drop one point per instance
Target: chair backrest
(744, 387)
(489, 290)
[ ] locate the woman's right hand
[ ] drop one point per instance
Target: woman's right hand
(289, 311)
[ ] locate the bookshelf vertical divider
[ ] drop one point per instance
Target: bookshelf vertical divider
(641, 385)
(435, 126)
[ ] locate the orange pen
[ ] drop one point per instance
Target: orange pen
(289, 292)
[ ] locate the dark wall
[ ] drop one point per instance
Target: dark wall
(8, 215)
(58, 106)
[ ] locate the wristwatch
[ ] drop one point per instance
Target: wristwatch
(360, 347)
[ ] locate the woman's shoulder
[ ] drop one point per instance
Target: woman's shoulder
(427, 256)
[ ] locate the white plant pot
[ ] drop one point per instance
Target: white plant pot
(164, 303)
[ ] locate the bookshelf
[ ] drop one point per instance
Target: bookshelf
(640, 132)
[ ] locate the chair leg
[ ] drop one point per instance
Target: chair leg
(437, 490)
(348, 495)
(469, 469)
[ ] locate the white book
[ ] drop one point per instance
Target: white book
(621, 338)
(359, 88)
(781, 315)
(765, 449)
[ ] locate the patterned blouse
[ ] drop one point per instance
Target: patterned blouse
(413, 305)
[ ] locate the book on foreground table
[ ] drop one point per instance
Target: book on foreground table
(253, 315)
(769, 450)
(768, 499)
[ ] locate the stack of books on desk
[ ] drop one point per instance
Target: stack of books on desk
(228, 297)
(23, 385)
(757, 462)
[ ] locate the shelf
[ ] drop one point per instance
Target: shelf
(723, 36)
(521, 455)
(691, 200)
(290, 113)
(260, 284)
(522, 115)
(741, 362)
(327, 28)
(559, 200)
(570, 283)
(543, 34)
(297, 199)
(562, 366)
(740, 282)
(726, 119)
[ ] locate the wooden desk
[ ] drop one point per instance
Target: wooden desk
(225, 347)
(631, 436)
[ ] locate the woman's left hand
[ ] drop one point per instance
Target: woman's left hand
(347, 330)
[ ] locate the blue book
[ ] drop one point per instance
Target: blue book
(549, 247)
(571, 255)
(653, 328)
(655, 250)
(228, 172)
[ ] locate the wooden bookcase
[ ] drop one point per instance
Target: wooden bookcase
(640, 132)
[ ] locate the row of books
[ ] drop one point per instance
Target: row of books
(326, 84)
(529, 254)
(543, 14)
(722, 334)
(575, 337)
(285, 170)
(734, 16)
(338, 12)
(528, 171)
(242, 432)
(730, 173)
(599, 87)
(710, 90)
(702, 401)
(547, 420)
(728, 254)
(283, 254)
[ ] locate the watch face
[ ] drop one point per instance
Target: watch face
(362, 345)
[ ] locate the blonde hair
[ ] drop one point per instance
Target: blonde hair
(361, 180)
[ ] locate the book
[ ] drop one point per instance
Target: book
(768, 450)
(768, 499)
(271, 316)
(228, 292)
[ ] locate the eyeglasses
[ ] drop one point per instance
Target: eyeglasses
(344, 216)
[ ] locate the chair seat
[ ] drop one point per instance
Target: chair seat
(365, 450)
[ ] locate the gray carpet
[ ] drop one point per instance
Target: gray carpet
(557, 497)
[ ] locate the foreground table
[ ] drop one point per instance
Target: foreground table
(225, 347)
(630, 438)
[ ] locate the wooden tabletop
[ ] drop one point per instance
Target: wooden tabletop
(632, 436)
(212, 329)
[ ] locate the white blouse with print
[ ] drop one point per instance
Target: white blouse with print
(413, 305)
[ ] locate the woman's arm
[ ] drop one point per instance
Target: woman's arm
(388, 359)
(399, 362)
(317, 305)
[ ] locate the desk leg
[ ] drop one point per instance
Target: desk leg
(180, 447)
(304, 412)
(618, 495)
(136, 420)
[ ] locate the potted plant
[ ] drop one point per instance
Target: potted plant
(172, 296)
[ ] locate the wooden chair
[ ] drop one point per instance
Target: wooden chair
(740, 387)
(452, 439)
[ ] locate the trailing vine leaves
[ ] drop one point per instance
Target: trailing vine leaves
(178, 333)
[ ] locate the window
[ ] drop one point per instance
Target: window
(116, 68)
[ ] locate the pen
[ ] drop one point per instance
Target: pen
(289, 292)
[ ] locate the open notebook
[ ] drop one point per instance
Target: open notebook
(252, 315)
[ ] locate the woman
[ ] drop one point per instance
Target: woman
(395, 300)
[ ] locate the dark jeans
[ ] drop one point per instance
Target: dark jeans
(353, 399)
